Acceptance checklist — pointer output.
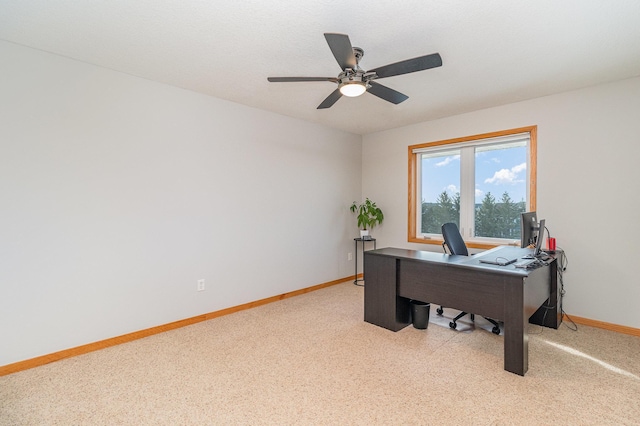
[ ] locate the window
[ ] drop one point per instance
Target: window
(482, 183)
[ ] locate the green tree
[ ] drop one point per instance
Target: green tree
(485, 218)
(508, 218)
(493, 219)
(445, 209)
(499, 219)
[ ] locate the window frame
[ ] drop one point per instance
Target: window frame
(412, 234)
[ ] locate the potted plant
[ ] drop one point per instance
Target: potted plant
(369, 215)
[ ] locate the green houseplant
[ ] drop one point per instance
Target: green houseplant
(368, 214)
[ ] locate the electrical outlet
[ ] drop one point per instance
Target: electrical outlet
(201, 285)
(349, 256)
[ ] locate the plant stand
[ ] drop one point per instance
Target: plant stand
(363, 240)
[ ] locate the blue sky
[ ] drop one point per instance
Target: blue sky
(497, 171)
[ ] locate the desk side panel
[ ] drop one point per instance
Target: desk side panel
(466, 289)
(521, 301)
(516, 338)
(382, 306)
(550, 313)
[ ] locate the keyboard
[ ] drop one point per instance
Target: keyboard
(524, 263)
(499, 261)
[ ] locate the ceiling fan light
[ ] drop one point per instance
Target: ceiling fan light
(353, 88)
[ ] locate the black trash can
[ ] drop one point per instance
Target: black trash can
(420, 314)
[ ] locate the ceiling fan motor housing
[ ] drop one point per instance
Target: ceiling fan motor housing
(353, 83)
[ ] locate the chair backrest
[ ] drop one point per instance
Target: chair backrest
(453, 239)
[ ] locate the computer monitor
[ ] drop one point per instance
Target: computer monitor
(528, 229)
(540, 238)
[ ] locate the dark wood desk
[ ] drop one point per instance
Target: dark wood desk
(504, 293)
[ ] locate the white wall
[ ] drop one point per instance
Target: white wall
(588, 174)
(117, 194)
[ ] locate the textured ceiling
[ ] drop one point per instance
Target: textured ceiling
(493, 52)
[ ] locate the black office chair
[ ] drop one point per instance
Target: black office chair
(456, 245)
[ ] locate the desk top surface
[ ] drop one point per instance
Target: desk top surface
(508, 252)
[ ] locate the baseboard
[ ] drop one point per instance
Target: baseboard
(604, 325)
(95, 346)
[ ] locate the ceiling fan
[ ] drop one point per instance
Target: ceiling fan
(354, 81)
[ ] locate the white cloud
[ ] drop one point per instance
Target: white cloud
(447, 161)
(453, 189)
(519, 168)
(501, 176)
(507, 176)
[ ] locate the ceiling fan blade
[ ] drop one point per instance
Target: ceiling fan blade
(330, 100)
(383, 92)
(290, 79)
(410, 65)
(342, 50)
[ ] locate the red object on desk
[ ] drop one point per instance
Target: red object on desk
(551, 244)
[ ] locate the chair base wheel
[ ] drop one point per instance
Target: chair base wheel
(453, 325)
(496, 330)
(439, 311)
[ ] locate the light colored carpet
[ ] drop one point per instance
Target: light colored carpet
(312, 360)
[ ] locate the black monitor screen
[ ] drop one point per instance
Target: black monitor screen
(528, 229)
